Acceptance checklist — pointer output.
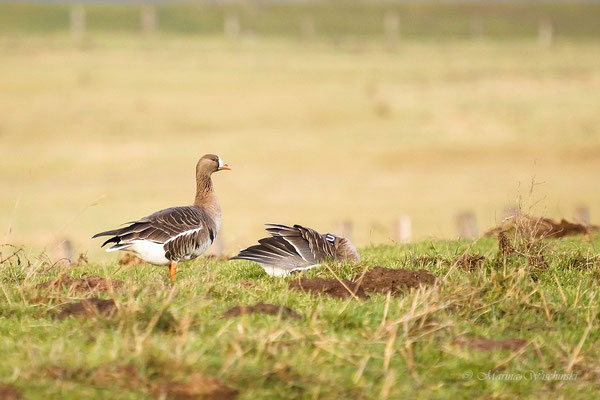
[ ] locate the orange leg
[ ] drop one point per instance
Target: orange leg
(172, 270)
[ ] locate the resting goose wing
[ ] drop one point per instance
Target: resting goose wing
(310, 244)
(290, 248)
(275, 252)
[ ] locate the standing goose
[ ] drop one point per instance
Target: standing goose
(177, 233)
(297, 248)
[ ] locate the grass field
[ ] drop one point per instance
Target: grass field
(465, 110)
(417, 345)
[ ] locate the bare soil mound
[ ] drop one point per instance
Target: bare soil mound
(383, 280)
(196, 387)
(262, 308)
(378, 280)
(123, 375)
(331, 287)
(539, 227)
(484, 344)
(89, 307)
(9, 392)
(92, 283)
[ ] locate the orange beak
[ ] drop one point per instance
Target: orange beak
(224, 166)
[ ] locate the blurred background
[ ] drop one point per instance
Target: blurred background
(387, 121)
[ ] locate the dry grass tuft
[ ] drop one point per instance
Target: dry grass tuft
(470, 262)
(505, 246)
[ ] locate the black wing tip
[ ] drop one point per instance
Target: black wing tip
(114, 240)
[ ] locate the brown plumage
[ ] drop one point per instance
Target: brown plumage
(177, 233)
(292, 248)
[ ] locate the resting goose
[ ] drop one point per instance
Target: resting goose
(177, 233)
(293, 248)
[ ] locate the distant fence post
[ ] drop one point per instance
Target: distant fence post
(77, 21)
(149, 19)
(65, 250)
(344, 228)
(403, 229)
(307, 28)
(582, 215)
(476, 26)
(391, 26)
(232, 25)
(466, 224)
(546, 32)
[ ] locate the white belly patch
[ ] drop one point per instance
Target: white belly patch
(149, 251)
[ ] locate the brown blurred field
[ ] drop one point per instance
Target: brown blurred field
(99, 133)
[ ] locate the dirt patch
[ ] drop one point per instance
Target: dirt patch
(196, 386)
(262, 308)
(539, 227)
(130, 259)
(124, 375)
(383, 280)
(379, 280)
(93, 283)
(89, 307)
(9, 392)
(247, 284)
(484, 344)
(331, 287)
(106, 375)
(470, 262)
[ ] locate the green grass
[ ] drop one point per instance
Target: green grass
(438, 20)
(340, 349)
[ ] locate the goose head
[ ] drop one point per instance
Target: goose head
(343, 247)
(210, 163)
